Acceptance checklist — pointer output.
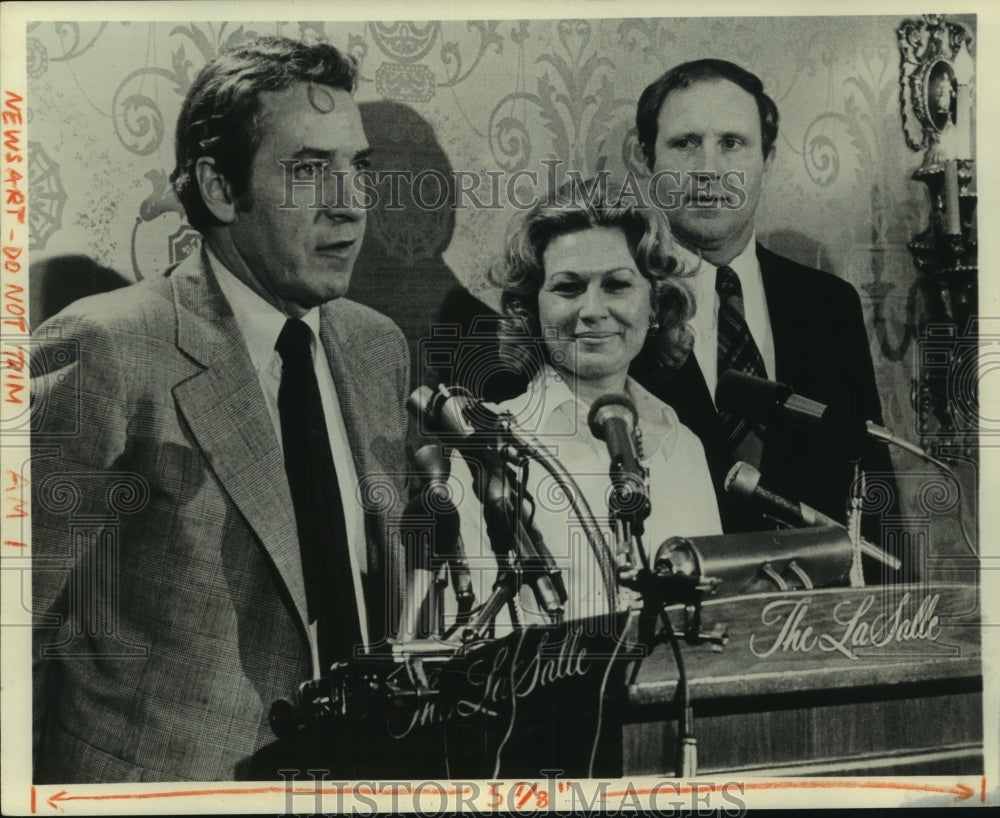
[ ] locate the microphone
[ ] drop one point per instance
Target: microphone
(613, 419)
(765, 401)
(441, 411)
(441, 538)
(452, 415)
(743, 480)
(472, 427)
(447, 522)
(432, 465)
(770, 402)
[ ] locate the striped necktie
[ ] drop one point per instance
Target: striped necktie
(737, 351)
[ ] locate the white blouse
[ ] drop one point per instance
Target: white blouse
(682, 498)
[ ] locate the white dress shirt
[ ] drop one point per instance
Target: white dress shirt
(261, 324)
(682, 498)
(705, 324)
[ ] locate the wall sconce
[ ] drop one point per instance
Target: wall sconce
(936, 75)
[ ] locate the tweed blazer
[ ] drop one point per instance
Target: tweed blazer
(168, 597)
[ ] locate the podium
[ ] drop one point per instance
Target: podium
(869, 681)
(884, 680)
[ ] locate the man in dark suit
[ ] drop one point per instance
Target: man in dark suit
(218, 453)
(708, 132)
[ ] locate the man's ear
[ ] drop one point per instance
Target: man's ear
(215, 189)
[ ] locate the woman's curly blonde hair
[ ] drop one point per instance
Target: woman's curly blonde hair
(577, 206)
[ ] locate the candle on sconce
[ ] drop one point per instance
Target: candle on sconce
(947, 146)
(964, 68)
(951, 201)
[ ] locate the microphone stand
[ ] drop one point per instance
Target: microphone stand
(519, 546)
(484, 434)
(475, 429)
(522, 556)
(461, 582)
(661, 587)
(429, 560)
(629, 508)
(854, 526)
(687, 744)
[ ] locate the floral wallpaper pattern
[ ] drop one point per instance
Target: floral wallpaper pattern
(507, 96)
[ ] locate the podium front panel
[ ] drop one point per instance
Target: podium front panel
(878, 681)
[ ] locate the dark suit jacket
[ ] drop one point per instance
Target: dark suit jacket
(821, 351)
(168, 594)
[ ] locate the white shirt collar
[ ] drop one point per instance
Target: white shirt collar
(260, 322)
(550, 407)
(745, 264)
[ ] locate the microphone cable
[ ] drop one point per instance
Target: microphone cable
(887, 437)
(581, 509)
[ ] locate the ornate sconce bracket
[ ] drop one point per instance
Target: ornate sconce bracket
(935, 77)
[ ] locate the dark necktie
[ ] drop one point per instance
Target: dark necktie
(737, 351)
(319, 511)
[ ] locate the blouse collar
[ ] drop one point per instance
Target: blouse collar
(550, 409)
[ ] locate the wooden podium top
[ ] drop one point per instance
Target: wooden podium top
(878, 680)
(823, 639)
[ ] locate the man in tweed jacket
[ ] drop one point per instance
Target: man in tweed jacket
(168, 589)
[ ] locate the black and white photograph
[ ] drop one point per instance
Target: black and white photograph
(440, 408)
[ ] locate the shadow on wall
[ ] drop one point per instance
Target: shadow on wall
(401, 270)
(59, 281)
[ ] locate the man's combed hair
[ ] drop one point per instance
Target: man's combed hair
(684, 76)
(220, 117)
(520, 271)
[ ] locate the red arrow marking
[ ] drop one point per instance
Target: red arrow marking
(960, 791)
(60, 796)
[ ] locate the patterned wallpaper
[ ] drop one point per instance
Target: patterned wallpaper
(495, 95)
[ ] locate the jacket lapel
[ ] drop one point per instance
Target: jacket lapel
(355, 389)
(225, 410)
(782, 312)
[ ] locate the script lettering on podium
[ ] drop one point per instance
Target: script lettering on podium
(855, 626)
(488, 678)
(540, 668)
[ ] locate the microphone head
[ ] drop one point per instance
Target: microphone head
(677, 557)
(440, 412)
(611, 406)
(742, 479)
(748, 396)
(419, 402)
(431, 463)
